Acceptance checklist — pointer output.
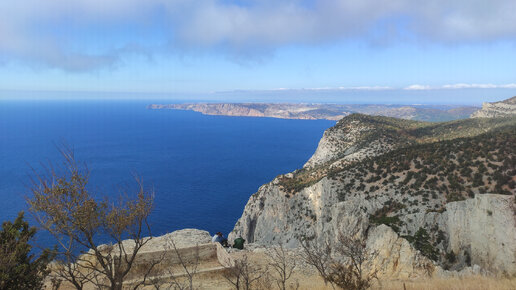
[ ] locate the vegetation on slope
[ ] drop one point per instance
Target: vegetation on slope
(458, 158)
(421, 167)
(457, 168)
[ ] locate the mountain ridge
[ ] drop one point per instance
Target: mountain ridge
(505, 108)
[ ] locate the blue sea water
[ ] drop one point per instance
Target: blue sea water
(202, 168)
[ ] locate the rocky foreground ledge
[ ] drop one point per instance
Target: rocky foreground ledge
(397, 261)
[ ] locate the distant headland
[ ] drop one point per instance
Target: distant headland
(431, 113)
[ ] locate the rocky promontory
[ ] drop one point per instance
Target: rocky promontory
(426, 195)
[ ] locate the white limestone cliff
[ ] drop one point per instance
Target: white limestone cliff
(498, 109)
(485, 227)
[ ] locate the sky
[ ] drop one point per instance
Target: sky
(414, 51)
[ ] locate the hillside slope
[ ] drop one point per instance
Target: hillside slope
(417, 178)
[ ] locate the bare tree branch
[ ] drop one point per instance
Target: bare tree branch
(346, 266)
(244, 274)
(64, 207)
(190, 266)
(283, 263)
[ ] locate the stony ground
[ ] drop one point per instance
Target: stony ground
(306, 278)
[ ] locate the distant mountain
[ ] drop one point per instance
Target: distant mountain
(446, 188)
(498, 109)
(324, 111)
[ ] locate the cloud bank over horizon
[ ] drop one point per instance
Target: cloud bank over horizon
(86, 35)
(414, 87)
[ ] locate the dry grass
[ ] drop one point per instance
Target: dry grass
(310, 280)
(306, 278)
(467, 283)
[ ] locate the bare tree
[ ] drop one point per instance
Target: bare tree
(347, 265)
(151, 276)
(64, 268)
(355, 274)
(64, 207)
(179, 267)
(188, 265)
(244, 274)
(282, 263)
(319, 257)
(264, 282)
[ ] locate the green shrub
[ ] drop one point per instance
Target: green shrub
(19, 267)
(421, 241)
(450, 257)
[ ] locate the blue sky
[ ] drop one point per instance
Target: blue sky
(399, 50)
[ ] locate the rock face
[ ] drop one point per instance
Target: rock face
(481, 230)
(396, 257)
(504, 108)
(343, 189)
(270, 217)
(485, 228)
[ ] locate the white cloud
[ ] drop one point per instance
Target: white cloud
(253, 25)
(479, 86)
(460, 86)
(366, 88)
(417, 88)
(373, 89)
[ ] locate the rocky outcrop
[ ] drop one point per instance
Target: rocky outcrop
(181, 238)
(345, 143)
(167, 260)
(270, 217)
(396, 257)
(504, 108)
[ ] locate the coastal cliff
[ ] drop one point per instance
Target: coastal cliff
(417, 189)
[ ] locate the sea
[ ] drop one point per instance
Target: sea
(202, 169)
